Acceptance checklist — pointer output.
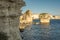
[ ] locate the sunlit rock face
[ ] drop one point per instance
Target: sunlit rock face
(9, 19)
(44, 18)
(43, 21)
(26, 17)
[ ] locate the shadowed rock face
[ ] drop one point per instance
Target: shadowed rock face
(9, 19)
(3, 36)
(10, 7)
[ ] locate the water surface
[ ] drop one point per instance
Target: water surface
(42, 31)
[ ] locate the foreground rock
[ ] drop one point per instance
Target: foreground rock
(9, 19)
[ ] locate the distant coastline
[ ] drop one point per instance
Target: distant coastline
(28, 17)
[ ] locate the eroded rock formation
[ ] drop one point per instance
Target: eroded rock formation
(26, 17)
(9, 19)
(44, 18)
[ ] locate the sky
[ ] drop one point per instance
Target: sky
(42, 6)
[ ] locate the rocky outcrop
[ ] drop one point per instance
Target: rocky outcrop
(44, 21)
(26, 17)
(44, 18)
(9, 19)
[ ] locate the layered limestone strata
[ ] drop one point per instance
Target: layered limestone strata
(9, 19)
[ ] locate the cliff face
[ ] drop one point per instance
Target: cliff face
(9, 19)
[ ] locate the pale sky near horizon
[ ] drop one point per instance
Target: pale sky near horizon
(43, 6)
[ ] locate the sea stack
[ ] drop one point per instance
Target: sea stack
(26, 17)
(44, 18)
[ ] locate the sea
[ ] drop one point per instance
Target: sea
(49, 31)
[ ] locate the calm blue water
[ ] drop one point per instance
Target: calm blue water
(42, 31)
